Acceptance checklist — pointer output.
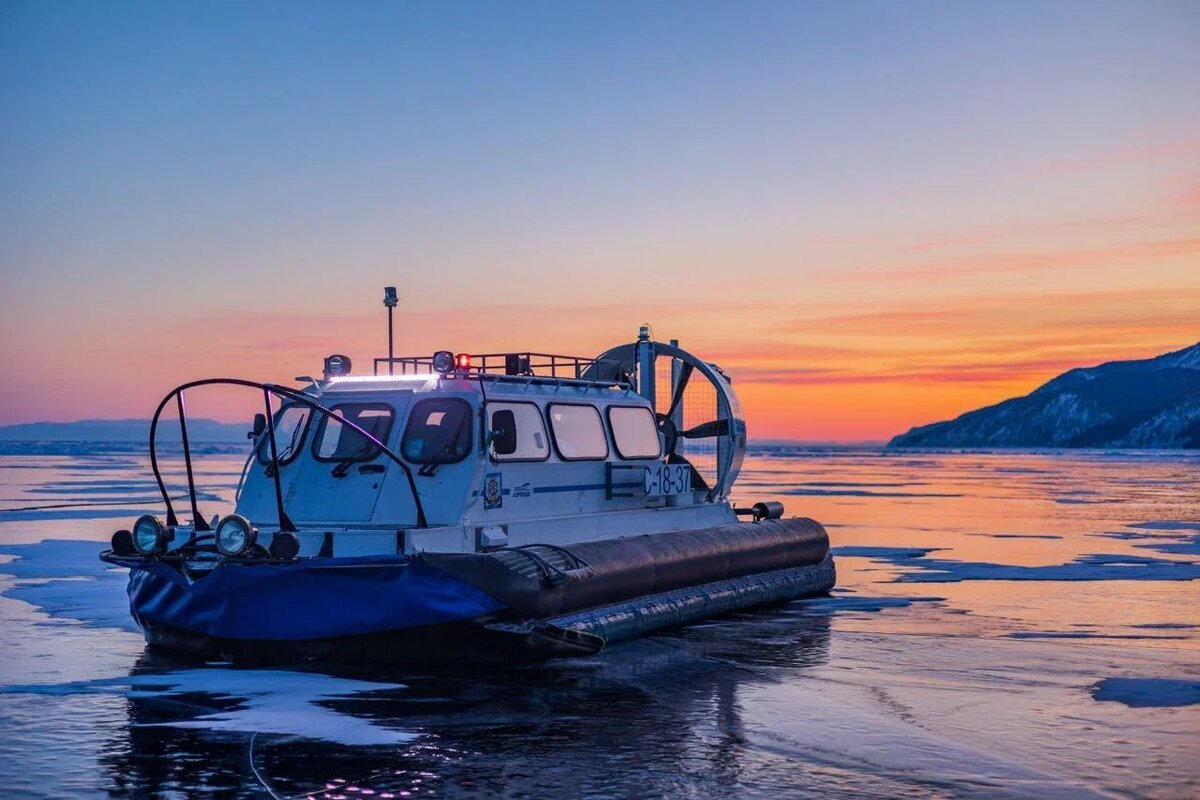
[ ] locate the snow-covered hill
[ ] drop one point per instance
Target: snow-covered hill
(1152, 403)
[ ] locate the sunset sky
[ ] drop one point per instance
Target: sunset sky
(873, 214)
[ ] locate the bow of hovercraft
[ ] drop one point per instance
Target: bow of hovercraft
(470, 508)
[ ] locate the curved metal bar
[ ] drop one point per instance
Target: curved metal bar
(172, 521)
(282, 392)
(198, 520)
(285, 522)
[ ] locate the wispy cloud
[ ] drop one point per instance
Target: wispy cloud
(946, 373)
(1034, 261)
(1125, 155)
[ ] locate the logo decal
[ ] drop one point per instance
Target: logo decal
(493, 490)
(522, 490)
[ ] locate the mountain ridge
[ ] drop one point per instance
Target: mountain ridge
(1143, 403)
(200, 430)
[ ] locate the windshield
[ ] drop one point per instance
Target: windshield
(438, 432)
(338, 442)
(291, 423)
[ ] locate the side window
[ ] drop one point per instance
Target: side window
(518, 432)
(338, 442)
(291, 423)
(635, 432)
(578, 432)
(438, 431)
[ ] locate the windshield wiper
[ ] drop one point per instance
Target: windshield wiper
(431, 467)
(343, 467)
(291, 448)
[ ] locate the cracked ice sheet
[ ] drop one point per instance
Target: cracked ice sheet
(838, 728)
(958, 677)
(1021, 713)
(272, 701)
(67, 580)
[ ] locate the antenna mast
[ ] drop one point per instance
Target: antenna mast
(391, 300)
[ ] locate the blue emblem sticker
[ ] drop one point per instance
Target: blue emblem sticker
(493, 490)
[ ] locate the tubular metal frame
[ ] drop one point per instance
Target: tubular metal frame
(559, 367)
(268, 389)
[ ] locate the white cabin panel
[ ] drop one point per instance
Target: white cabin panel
(341, 474)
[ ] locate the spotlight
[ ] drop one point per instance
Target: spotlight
(235, 535)
(443, 362)
(149, 535)
(336, 366)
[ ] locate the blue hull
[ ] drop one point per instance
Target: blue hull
(312, 599)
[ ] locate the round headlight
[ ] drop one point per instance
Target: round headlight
(443, 361)
(235, 535)
(149, 535)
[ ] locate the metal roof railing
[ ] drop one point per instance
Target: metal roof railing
(516, 365)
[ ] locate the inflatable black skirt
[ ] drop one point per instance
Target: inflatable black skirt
(514, 604)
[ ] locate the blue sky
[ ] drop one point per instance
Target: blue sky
(176, 162)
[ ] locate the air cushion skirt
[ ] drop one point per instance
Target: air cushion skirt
(512, 604)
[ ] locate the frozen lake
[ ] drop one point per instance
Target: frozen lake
(1019, 624)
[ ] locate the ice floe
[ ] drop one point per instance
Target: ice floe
(66, 579)
(1088, 567)
(271, 701)
(1148, 692)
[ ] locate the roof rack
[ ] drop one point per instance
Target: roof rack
(517, 365)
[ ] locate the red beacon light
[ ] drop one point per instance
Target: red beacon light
(463, 362)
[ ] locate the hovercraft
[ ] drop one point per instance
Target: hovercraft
(470, 507)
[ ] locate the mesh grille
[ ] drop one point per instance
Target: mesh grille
(699, 406)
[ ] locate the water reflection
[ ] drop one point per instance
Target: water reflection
(659, 716)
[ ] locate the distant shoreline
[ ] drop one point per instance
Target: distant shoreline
(62, 447)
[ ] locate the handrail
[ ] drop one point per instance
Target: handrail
(545, 380)
(268, 389)
(498, 364)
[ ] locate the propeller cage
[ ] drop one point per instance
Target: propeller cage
(699, 415)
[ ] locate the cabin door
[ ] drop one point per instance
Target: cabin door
(343, 473)
(438, 446)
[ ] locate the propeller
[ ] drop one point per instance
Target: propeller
(672, 434)
(707, 430)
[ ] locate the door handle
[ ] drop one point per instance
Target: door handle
(365, 468)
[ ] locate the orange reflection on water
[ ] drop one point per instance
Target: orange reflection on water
(1064, 512)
